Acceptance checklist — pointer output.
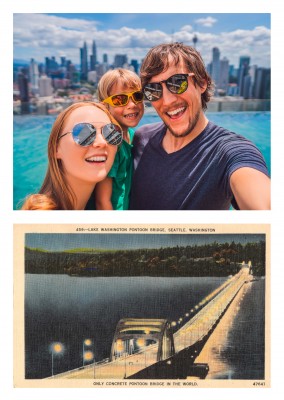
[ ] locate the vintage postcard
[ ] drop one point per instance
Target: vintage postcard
(142, 306)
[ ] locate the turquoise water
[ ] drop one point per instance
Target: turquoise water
(31, 136)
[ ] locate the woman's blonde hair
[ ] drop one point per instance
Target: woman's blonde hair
(127, 78)
(55, 193)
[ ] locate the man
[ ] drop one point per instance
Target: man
(186, 162)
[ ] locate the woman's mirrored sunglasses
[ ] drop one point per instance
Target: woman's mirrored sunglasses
(85, 134)
(176, 84)
(121, 100)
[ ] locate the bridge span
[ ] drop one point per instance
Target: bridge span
(147, 349)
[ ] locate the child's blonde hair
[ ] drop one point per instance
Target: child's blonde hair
(127, 78)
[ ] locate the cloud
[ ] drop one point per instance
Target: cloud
(208, 22)
(186, 28)
(41, 35)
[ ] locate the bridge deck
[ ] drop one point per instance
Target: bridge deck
(196, 329)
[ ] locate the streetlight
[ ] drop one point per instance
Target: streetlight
(56, 348)
(87, 355)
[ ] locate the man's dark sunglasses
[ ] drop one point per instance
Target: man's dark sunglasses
(85, 134)
(176, 84)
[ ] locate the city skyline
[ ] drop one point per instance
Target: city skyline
(44, 35)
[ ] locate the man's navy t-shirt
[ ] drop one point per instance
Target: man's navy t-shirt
(196, 177)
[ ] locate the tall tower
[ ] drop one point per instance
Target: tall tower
(45, 86)
(93, 57)
(216, 66)
(84, 62)
(120, 60)
(224, 74)
(243, 72)
(23, 83)
(34, 75)
(195, 40)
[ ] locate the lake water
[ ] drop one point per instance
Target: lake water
(31, 135)
(70, 309)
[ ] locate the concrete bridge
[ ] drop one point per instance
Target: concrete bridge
(147, 349)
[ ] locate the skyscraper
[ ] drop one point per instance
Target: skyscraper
(45, 86)
(194, 40)
(93, 57)
(23, 83)
(84, 62)
(247, 86)
(51, 65)
(101, 69)
(215, 72)
(244, 61)
(243, 71)
(262, 83)
(134, 64)
(120, 60)
(34, 75)
(224, 74)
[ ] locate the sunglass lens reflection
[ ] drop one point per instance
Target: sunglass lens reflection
(177, 84)
(153, 91)
(84, 134)
(120, 100)
(112, 134)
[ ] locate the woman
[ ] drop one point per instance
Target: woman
(81, 150)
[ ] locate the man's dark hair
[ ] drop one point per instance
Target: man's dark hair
(157, 61)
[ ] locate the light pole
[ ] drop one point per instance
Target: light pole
(87, 355)
(56, 349)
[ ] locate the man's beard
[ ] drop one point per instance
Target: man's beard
(190, 128)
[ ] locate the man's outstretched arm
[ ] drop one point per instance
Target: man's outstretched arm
(251, 189)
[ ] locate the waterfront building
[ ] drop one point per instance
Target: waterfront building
(84, 62)
(215, 73)
(100, 70)
(247, 84)
(105, 58)
(41, 69)
(34, 75)
(92, 77)
(93, 58)
(51, 65)
(243, 71)
(232, 89)
(23, 83)
(63, 61)
(224, 74)
(45, 86)
(262, 89)
(134, 64)
(61, 83)
(120, 60)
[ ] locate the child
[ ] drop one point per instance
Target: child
(120, 91)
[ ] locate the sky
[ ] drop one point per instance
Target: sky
(64, 241)
(45, 35)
